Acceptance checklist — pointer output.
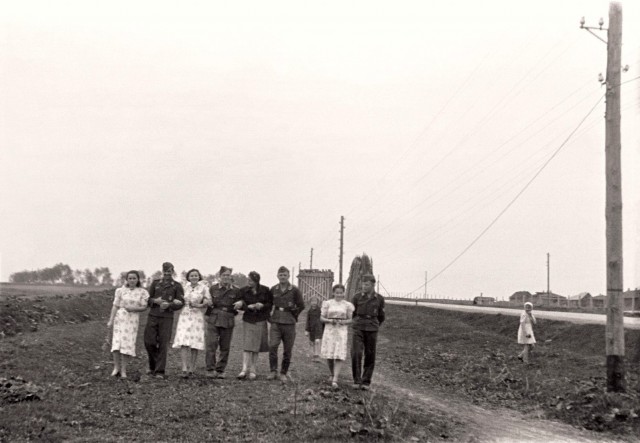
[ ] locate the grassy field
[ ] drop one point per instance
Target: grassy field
(54, 383)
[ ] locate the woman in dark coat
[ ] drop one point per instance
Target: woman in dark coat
(256, 302)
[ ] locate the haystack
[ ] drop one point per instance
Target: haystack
(360, 266)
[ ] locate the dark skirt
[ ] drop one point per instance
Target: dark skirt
(256, 336)
(315, 331)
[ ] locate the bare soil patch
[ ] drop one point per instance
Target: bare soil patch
(57, 387)
(441, 375)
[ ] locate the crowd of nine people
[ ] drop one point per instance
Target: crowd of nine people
(207, 318)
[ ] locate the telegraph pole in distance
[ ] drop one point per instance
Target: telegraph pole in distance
(311, 260)
(341, 247)
(548, 275)
(615, 320)
(425, 284)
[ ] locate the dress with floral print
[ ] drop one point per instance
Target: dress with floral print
(125, 323)
(190, 329)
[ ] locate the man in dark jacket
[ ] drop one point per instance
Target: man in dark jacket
(287, 305)
(165, 296)
(220, 323)
(367, 318)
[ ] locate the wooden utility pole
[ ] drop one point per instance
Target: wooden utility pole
(341, 247)
(311, 260)
(548, 275)
(615, 320)
(425, 284)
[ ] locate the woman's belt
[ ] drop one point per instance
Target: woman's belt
(223, 309)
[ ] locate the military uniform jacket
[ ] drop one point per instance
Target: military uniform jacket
(168, 291)
(287, 304)
(369, 311)
(222, 312)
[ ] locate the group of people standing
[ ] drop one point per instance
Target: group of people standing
(207, 319)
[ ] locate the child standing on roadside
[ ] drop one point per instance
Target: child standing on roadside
(525, 332)
(314, 329)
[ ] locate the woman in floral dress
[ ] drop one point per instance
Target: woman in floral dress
(190, 330)
(336, 314)
(129, 301)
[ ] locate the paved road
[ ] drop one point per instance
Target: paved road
(574, 317)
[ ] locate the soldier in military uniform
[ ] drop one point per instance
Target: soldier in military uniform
(287, 305)
(165, 296)
(367, 318)
(220, 323)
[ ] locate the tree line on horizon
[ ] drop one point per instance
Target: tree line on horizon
(63, 274)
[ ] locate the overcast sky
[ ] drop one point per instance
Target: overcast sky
(237, 133)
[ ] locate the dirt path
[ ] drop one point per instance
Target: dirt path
(483, 425)
(487, 425)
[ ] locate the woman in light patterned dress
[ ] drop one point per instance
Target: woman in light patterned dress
(129, 301)
(337, 315)
(190, 330)
(525, 332)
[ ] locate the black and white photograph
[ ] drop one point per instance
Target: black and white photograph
(274, 221)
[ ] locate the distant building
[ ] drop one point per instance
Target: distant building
(520, 297)
(483, 300)
(582, 300)
(539, 298)
(599, 301)
(631, 299)
(548, 299)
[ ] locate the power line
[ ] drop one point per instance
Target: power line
(385, 289)
(460, 177)
(452, 222)
(468, 108)
(629, 81)
(490, 114)
(506, 183)
(487, 117)
(484, 231)
(414, 143)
